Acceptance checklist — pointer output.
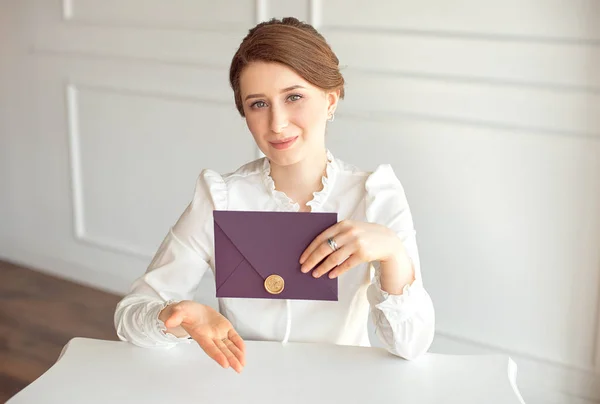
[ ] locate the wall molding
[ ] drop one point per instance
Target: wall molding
(149, 94)
(444, 78)
(471, 79)
(80, 232)
(78, 204)
(316, 19)
(69, 17)
(396, 117)
(261, 11)
(67, 10)
(111, 57)
(315, 14)
(477, 35)
(205, 27)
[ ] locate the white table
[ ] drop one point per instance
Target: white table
(95, 371)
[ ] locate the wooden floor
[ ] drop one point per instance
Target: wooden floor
(39, 314)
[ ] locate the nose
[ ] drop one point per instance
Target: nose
(279, 120)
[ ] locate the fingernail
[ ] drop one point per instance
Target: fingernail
(315, 274)
(331, 276)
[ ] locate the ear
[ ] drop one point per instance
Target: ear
(332, 101)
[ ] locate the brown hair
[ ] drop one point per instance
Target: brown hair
(292, 43)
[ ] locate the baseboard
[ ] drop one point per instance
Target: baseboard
(66, 270)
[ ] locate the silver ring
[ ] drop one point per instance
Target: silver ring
(332, 244)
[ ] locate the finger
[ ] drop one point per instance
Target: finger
(321, 238)
(176, 318)
(239, 344)
(350, 263)
(316, 257)
(212, 350)
(325, 250)
(223, 345)
(240, 356)
(333, 260)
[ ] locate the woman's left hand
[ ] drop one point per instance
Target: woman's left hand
(357, 242)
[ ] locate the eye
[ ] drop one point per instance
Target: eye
(294, 97)
(258, 104)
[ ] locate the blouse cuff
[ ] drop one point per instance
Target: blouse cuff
(156, 328)
(397, 308)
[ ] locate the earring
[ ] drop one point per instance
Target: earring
(331, 117)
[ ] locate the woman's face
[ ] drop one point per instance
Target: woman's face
(285, 114)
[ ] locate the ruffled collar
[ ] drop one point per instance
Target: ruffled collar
(319, 197)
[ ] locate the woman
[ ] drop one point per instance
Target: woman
(287, 84)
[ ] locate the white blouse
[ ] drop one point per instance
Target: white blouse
(404, 323)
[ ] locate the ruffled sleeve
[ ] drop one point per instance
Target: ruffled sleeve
(176, 269)
(404, 323)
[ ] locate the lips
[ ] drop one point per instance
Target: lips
(283, 143)
(289, 139)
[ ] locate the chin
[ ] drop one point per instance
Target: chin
(283, 157)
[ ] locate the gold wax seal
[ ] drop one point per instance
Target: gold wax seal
(274, 284)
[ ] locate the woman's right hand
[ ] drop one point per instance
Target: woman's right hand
(209, 328)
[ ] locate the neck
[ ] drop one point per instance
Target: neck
(299, 181)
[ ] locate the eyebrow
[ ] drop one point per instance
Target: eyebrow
(282, 91)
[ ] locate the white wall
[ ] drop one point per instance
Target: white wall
(488, 111)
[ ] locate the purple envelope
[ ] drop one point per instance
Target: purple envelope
(252, 248)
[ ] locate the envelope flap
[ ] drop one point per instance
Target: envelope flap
(229, 256)
(272, 242)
